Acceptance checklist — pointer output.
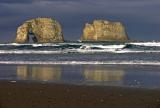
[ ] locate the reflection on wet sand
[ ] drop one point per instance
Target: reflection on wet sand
(103, 74)
(39, 73)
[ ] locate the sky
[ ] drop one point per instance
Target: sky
(141, 17)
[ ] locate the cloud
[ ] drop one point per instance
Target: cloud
(15, 1)
(72, 14)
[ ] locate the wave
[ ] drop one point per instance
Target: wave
(156, 63)
(54, 48)
(151, 44)
(102, 46)
(83, 51)
(78, 43)
(29, 52)
(38, 44)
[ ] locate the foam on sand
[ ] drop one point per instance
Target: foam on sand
(138, 62)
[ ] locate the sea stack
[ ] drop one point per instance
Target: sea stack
(103, 30)
(43, 30)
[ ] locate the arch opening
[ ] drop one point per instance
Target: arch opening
(32, 37)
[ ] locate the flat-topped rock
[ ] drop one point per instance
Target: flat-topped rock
(43, 30)
(103, 30)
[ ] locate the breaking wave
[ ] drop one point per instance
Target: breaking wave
(136, 62)
(50, 48)
(150, 44)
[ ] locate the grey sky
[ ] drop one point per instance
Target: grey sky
(141, 17)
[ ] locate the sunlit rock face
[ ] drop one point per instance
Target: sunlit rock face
(38, 73)
(103, 30)
(44, 30)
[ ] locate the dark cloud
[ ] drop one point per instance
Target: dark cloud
(31, 1)
(141, 17)
(15, 1)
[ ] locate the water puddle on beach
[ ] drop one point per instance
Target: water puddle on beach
(103, 75)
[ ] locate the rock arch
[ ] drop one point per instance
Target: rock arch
(44, 30)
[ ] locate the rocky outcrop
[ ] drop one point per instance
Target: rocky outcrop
(42, 30)
(103, 30)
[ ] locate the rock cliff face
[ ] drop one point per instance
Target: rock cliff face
(103, 30)
(43, 30)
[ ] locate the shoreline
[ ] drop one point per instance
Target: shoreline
(23, 94)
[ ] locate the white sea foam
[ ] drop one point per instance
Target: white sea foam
(146, 43)
(12, 44)
(102, 46)
(88, 44)
(77, 48)
(46, 44)
(156, 63)
(29, 44)
(29, 52)
(85, 51)
(136, 51)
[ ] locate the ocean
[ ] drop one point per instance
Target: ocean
(128, 64)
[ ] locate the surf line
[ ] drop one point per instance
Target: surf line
(156, 63)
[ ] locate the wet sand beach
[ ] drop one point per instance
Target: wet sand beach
(49, 95)
(79, 86)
